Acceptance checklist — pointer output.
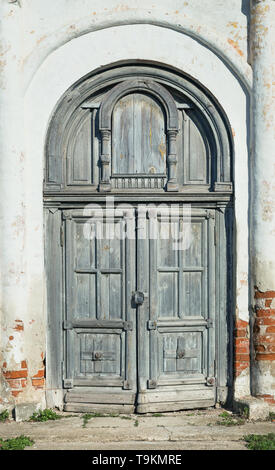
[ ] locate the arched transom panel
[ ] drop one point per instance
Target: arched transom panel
(138, 128)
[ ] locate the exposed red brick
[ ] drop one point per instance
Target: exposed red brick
(23, 383)
(267, 338)
(241, 324)
(265, 321)
(270, 329)
(16, 393)
(270, 294)
(241, 341)
(11, 338)
(240, 366)
(268, 398)
(38, 383)
(4, 365)
(268, 312)
(242, 357)
(24, 365)
(14, 383)
(241, 333)
(265, 357)
(15, 374)
(40, 373)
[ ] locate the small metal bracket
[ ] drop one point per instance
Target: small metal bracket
(68, 383)
(209, 215)
(128, 326)
(210, 381)
(152, 384)
(67, 325)
(97, 355)
(210, 323)
(127, 385)
(152, 325)
(66, 215)
(180, 354)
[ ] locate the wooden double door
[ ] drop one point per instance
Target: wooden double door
(139, 329)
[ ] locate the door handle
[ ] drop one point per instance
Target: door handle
(139, 297)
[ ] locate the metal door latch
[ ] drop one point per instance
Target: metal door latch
(139, 297)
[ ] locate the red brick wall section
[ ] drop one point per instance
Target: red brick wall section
(38, 380)
(264, 330)
(16, 379)
(241, 343)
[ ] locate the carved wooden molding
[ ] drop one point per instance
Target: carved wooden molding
(121, 81)
(105, 126)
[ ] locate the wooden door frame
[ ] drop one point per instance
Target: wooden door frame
(59, 196)
(54, 252)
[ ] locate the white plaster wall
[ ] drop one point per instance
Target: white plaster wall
(36, 73)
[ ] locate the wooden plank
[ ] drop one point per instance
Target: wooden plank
(181, 380)
(55, 292)
(169, 406)
(204, 393)
(138, 136)
(99, 408)
(98, 382)
(102, 398)
(77, 323)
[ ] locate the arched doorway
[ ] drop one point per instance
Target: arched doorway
(137, 156)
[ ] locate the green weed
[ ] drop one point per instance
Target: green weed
(45, 415)
(4, 415)
(230, 420)
(260, 441)
(16, 443)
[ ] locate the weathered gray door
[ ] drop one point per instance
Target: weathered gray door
(176, 334)
(139, 326)
(100, 323)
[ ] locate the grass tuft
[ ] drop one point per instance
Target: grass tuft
(230, 420)
(260, 441)
(4, 415)
(45, 415)
(16, 443)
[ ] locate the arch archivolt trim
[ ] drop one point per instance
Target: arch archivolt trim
(126, 87)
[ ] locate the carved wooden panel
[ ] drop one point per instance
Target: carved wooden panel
(138, 137)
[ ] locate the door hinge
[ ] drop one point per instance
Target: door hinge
(210, 381)
(152, 383)
(215, 235)
(210, 323)
(68, 383)
(127, 385)
(67, 325)
(61, 235)
(128, 326)
(152, 325)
